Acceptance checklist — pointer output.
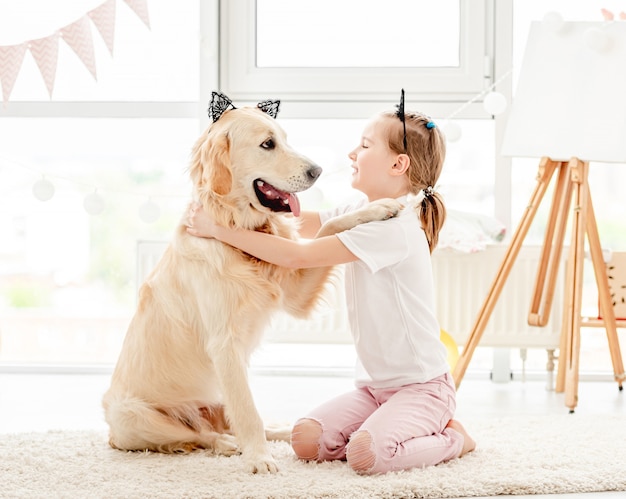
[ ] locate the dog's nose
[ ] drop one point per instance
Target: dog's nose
(314, 172)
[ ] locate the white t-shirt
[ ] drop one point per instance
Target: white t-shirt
(390, 299)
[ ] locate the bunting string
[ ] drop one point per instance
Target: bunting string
(77, 35)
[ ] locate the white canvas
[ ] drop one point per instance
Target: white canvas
(570, 99)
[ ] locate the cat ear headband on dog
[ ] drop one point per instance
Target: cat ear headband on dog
(269, 107)
(220, 104)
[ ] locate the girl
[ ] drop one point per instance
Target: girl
(400, 414)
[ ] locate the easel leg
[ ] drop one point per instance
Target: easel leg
(572, 317)
(564, 345)
(551, 253)
(604, 294)
(547, 168)
(584, 222)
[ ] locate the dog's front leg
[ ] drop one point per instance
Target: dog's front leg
(380, 209)
(240, 409)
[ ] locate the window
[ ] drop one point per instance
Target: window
(327, 55)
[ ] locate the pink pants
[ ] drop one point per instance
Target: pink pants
(405, 426)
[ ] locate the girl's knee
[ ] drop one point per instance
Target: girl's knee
(305, 439)
(360, 453)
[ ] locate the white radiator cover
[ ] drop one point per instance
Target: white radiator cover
(462, 281)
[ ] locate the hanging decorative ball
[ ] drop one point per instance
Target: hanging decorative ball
(495, 103)
(597, 39)
(93, 203)
(553, 22)
(43, 189)
(149, 212)
(452, 131)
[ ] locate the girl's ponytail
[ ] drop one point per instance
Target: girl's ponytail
(432, 213)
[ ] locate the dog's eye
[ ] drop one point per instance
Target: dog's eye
(268, 144)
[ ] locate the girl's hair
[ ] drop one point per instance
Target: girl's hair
(426, 148)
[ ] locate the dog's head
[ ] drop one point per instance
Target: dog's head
(244, 162)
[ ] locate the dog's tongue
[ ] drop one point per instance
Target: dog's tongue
(294, 204)
(287, 198)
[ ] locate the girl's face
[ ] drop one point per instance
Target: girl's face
(372, 160)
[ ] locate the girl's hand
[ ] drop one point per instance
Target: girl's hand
(199, 223)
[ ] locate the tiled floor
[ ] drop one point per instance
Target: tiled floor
(39, 402)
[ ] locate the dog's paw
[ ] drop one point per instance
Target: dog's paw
(278, 432)
(226, 445)
(381, 209)
(261, 464)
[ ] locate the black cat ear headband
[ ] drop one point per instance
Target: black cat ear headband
(220, 104)
(430, 124)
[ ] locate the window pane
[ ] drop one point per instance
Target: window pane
(67, 279)
(159, 63)
(358, 33)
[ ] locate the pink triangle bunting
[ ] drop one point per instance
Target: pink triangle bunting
(45, 51)
(140, 7)
(11, 57)
(103, 18)
(78, 36)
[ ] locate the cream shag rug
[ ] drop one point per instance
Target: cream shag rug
(531, 455)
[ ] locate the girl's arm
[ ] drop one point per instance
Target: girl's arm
(320, 252)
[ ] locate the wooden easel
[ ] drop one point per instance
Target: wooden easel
(572, 182)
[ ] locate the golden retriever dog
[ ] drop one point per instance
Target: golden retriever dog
(180, 382)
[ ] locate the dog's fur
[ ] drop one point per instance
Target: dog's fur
(180, 382)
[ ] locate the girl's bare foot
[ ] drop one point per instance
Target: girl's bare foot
(468, 442)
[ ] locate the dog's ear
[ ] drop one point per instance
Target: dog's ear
(218, 165)
(218, 105)
(269, 107)
(210, 164)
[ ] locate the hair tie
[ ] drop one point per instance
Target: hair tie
(430, 125)
(428, 191)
